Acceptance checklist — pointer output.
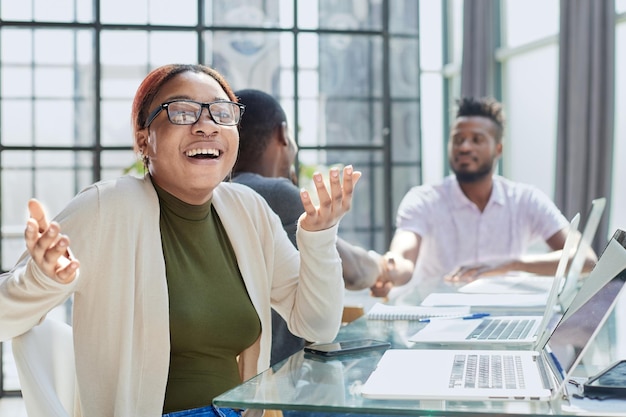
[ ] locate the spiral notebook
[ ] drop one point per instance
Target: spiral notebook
(381, 311)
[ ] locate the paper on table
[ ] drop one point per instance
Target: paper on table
(489, 300)
(406, 312)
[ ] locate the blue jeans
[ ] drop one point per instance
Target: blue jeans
(208, 411)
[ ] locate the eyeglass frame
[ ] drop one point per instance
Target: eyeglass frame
(165, 106)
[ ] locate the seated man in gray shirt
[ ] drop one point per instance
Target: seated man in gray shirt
(265, 163)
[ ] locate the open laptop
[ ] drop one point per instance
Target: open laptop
(519, 374)
(520, 283)
(510, 330)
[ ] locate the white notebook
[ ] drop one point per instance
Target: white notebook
(407, 312)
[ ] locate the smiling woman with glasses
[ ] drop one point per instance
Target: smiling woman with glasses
(174, 275)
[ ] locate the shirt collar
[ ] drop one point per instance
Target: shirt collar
(460, 200)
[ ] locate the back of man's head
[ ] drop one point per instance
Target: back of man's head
(263, 115)
(482, 107)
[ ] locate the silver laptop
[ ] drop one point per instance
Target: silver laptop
(510, 330)
(522, 283)
(484, 375)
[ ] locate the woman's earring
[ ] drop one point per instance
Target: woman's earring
(144, 158)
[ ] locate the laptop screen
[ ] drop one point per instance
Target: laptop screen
(569, 289)
(591, 306)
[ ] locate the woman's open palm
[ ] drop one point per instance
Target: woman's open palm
(49, 248)
(332, 205)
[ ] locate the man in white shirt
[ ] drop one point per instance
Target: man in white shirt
(473, 223)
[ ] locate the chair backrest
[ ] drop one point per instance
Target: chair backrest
(44, 358)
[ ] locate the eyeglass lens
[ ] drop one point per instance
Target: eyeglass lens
(188, 112)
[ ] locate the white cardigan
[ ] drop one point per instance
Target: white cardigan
(120, 306)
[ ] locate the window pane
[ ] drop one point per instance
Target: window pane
(455, 29)
(350, 65)
(247, 58)
(523, 23)
(168, 47)
(59, 176)
(620, 6)
(115, 122)
(54, 82)
(340, 99)
(249, 13)
(116, 163)
(531, 123)
(17, 81)
(404, 68)
(16, 10)
(17, 122)
(120, 81)
(163, 12)
(17, 189)
(63, 10)
(340, 14)
(52, 177)
(16, 46)
(403, 15)
(46, 10)
(430, 35)
(405, 136)
(432, 124)
(114, 48)
(47, 46)
(404, 177)
(47, 123)
(54, 123)
(56, 46)
(135, 11)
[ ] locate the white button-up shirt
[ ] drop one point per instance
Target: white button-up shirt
(456, 233)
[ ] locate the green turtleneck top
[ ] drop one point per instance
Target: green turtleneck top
(211, 316)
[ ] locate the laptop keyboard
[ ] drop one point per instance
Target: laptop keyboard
(487, 371)
(501, 329)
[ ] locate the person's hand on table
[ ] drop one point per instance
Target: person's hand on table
(469, 273)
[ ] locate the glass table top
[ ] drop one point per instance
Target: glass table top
(305, 382)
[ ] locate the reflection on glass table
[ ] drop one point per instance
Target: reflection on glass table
(307, 383)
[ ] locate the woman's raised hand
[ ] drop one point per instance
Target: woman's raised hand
(49, 248)
(333, 205)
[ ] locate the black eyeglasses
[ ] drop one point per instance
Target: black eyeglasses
(187, 112)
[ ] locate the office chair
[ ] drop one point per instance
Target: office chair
(44, 357)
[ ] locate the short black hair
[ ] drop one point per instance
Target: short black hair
(483, 107)
(263, 114)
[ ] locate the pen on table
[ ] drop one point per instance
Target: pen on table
(463, 317)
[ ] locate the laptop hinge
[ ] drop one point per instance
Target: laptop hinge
(547, 377)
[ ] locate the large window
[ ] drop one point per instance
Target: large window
(529, 60)
(346, 71)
